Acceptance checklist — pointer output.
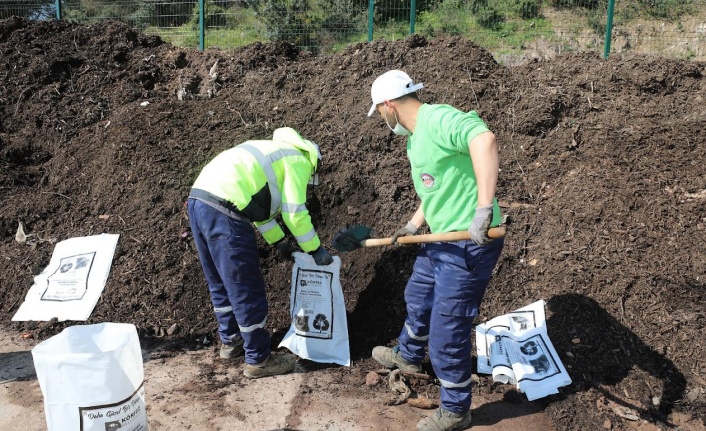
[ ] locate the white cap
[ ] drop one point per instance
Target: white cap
(391, 85)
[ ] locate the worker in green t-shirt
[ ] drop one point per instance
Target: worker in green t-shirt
(454, 161)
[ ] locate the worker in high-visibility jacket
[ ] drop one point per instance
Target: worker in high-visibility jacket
(248, 184)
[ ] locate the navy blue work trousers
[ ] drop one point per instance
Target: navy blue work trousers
(230, 260)
(443, 296)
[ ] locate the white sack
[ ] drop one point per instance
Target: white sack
(516, 349)
(319, 329)
(91, 377)
(70, 286)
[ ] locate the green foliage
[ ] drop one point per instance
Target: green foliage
(289, 20)
(451, 17)
(496, 24)
(669, 9)
(92, 10)
(529, 9)
(500, 25)
(213, 15)
(143, 16)
(490, 18)
(342, 18)
(478, 6)
(570, 4)
(596, 20)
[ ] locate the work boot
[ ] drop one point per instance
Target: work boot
(444, 420)
(230, 351)
(390, 358)
(271, 366)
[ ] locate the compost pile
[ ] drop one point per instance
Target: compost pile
(603, 178)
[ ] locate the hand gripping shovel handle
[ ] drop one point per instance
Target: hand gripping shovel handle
(493, 232)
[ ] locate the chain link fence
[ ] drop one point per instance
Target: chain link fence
(507, 28)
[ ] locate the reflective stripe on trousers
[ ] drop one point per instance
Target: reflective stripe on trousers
(231, 263)
(443, 295)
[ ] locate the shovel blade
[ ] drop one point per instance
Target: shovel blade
(350, 238)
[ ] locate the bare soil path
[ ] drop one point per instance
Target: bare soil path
(195, 390)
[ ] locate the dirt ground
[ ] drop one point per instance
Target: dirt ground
(602, 175)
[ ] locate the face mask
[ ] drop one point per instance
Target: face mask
(399, 129)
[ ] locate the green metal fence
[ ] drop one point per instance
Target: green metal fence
(510, 29)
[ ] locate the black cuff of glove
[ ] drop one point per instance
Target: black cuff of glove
(313, 252)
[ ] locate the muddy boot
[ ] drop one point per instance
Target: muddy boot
(444, 420)
(230, 351)
(271, 366)
(390, 358)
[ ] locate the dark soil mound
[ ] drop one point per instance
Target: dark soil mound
(602, 174)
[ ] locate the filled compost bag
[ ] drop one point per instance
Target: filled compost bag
(92, 378)
(319, 329)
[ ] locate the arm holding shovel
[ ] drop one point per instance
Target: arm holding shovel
(483, 150)
(484, 157)
(412, 226)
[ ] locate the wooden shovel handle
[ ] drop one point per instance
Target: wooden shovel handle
(493, 232)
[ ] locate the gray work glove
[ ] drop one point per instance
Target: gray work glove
(480, 225)
(321, 256)
(408, 229)
(284, 249)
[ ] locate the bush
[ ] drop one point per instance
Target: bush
(666, 8)
(214, 15)
(529, 9)
(490, 19)
(289, 21)
(478, 6)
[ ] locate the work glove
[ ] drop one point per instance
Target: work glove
(408, 229)
(480, 225)
(284, 249)
(321, 256)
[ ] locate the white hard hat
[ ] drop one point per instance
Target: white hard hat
(391, 85)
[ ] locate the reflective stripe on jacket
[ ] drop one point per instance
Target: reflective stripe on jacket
(263, 178)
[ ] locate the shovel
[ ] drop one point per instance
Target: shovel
(355, 237)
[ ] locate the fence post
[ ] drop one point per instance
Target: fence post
(202, 32)
(412, 16)
(58, 9)
(371, 12)
(608, 29)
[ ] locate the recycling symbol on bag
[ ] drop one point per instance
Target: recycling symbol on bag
(321, 323)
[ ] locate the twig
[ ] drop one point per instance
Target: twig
(58, 194)
(512, 133)
(19, 99)
(470, 79)
(406, 373)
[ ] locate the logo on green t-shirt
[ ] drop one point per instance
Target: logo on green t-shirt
(427, 180)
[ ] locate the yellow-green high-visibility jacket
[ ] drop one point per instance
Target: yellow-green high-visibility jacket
(259, 179)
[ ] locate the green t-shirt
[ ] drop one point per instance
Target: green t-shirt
(442, 168)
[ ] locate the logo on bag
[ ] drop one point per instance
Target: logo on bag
(321, 323)
(110, 426)
(427, 180)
